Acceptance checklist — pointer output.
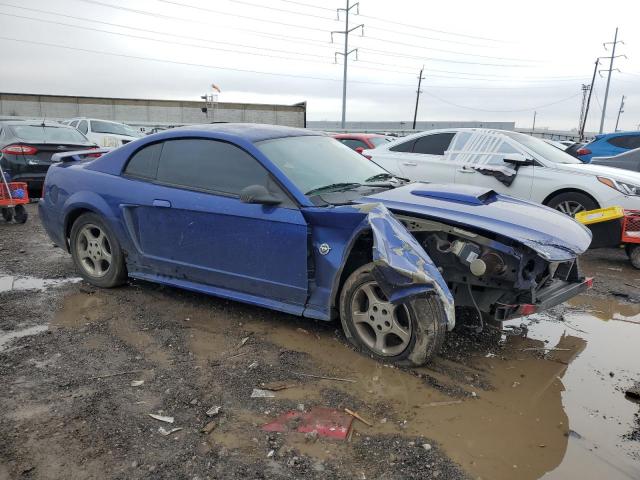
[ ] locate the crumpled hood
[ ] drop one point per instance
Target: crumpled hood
(628, 176)
(555, 236)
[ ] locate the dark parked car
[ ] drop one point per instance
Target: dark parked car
(609, 144)
(292, 220)
(629, 160)
(27, 147)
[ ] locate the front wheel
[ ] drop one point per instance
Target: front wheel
(409, 333)
(571, 203)
(633, 251)
(96, 252)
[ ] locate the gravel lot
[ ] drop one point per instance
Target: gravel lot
(495, 405)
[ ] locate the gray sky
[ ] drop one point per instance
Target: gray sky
(491, 60)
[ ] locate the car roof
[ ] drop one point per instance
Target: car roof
(35, 123)
(616, 134)
(253, 132)
(356, 135)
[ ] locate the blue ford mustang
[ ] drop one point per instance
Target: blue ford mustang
(293, 220)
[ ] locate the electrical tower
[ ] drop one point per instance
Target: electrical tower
(586, 89)
(611, 58)
(346, 52)
(620, 112)
(415, 113)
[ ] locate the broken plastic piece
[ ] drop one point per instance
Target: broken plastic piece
(260, 393)
(166, 433)
(213, 411)
(137, 383)
(208, 428)
(327, 422)
(161, 418)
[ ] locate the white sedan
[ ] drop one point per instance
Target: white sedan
(510, 163)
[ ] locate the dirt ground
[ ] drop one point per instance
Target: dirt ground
(544, 398)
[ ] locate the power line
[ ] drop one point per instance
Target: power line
(274, 36)
(386, 20)
(501, 111)
(189, 64)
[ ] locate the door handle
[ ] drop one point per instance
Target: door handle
(410, 164)
(466, 170)
(162, 203)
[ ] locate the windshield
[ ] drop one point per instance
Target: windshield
(312, 162)
(48, 134)
(377, 141)
(113, 128)
(542, 149)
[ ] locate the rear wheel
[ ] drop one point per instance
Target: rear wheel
(7, 214)
(409, 333)
(633, 251)
(20, 214)
(571, 203)
(96, 252)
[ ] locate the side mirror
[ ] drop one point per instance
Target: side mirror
(518, 159)
(359, 150)
(258, 194)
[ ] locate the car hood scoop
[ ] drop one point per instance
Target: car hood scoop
(459, 193)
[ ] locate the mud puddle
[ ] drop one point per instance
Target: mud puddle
(10, 283)
(544, 405)
(7, 337)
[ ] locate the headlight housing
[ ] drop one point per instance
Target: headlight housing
(622, 187)
(112, 142)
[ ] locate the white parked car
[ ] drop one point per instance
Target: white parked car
(510, 163)
(104, 132)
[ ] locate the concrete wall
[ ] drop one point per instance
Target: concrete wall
(147, 112)
(405, 126)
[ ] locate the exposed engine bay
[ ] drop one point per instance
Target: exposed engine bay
(498, 277)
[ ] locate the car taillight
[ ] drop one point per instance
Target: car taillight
(583, 151)
(527, 309)
(94, 155)
(20, 150)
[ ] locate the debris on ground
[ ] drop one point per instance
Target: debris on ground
(137, 383)
(277, 386)
(325, 378)
(208, 428)
(166, 433)
(161, 418)
(357, 415)
(261, 393)
(213, 411)
(326, 422)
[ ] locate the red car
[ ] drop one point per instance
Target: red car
(361, 141)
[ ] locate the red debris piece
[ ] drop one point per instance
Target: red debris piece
(327, 422)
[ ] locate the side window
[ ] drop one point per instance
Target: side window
(435, 144)
(82, 126)
(209, 165)
(625, 141)
(353, 143)
(74, 124)
(144, 163)
(403, 147)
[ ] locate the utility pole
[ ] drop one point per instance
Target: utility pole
(346, 52)
(415, 113)
(606, 92)
(620, 111)
(533, 128)
(583, 106)
(586, 110)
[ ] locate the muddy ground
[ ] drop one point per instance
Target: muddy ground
(493, 406)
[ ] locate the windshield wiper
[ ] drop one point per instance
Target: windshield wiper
(385, 176)
(334, 186)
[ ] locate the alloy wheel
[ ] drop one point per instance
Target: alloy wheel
(384, 327)
(94, 250)
(570, 207)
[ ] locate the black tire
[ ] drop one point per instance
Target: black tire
(20, 214)
(116, 272)
(571, 203)
(7, 214)
(633, 251)
(424, 317)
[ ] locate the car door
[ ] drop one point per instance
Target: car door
(188, 221)
(426, 161)
(479, 158)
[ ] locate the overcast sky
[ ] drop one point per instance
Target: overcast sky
(489, 60)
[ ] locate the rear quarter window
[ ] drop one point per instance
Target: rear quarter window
(435, 144)
(403, 147)
(144, 163)
(625, 141)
